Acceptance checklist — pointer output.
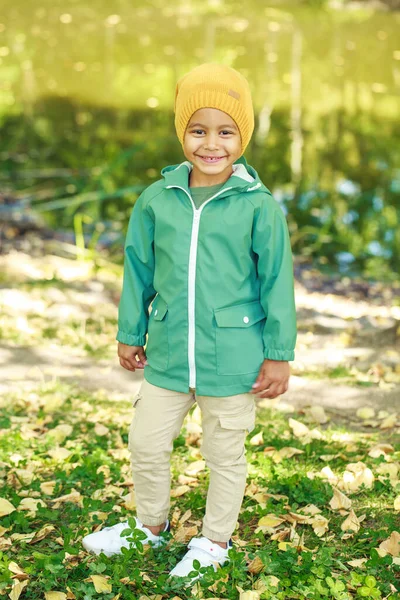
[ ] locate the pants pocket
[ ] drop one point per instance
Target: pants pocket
(238, 338)
(132, 426)
(244, 422)
(136, 399)
(157, 350)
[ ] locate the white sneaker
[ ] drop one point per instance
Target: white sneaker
(206, 552)
(109, 540)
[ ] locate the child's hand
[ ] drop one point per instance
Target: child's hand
(272, 380)
(127, 357)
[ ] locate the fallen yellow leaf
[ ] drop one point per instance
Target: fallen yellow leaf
(381, 450)
(59, 453)
(17, 588)
(328, 457)
(297, 541)
(391, 545)
(389, 422)
(22, 537)
(255, 566)
(129, 500)
(184, 534)
(397, 503)
(195, 468)
(6, 507)
(261, 498)
(5, 544)
(365, 413)
(270, 520)
(382, 414)
(251, 489)
(310, 509)
(101, 430)
(47, 487)
(287, 452)
(292, 517)
(74, 496)
(318, 414)
(42, 533)
(174, 519)
(281, 534)
(351, 523)
(180, 490)
(59, 433)
(250, 595)
(389, 470)
(270, 580)
(101, 584)
(284, 546)
(358, 562)
(14, 568)
(186, 515)
(339, 501)
(298, 428)
(356, 475)
(31, 505)
(257, 439)
(327, 473)
(184, 480)
(25, 475)
(55, 596)
(53, 403)
(320, 525)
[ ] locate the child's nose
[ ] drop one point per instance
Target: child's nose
(211, 140)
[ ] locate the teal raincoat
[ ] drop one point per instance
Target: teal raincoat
(219, 279)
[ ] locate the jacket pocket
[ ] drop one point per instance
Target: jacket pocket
(238, 338)
(157, 349)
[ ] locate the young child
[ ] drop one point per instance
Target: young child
(208, 246)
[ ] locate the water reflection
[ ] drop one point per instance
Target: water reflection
(89, 88)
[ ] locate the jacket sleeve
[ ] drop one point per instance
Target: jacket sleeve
(137, 287)
(275, 270)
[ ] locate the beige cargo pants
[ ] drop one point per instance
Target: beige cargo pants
(159, 414)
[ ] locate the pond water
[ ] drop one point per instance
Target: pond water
(87, 93)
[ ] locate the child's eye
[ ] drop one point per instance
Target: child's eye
(227, 132)
(198, 131)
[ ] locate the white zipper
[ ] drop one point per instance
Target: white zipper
(192, 281)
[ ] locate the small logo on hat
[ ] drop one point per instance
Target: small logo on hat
(234, 94)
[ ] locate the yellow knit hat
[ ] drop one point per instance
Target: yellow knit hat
(211, 85)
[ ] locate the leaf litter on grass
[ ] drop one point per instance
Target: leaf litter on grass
(305, 530)
(279, 516)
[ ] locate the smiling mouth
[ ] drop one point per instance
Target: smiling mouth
(211, 159)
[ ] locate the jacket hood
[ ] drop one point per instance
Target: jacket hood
(244, 177)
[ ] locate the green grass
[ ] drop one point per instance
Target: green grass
(97, 472)
(64, 496)
(352, 375)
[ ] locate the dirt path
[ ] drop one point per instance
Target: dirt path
(358, 339)
(26, 367)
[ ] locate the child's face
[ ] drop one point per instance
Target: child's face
(212, 144)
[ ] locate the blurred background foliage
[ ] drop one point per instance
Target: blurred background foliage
(86, 112)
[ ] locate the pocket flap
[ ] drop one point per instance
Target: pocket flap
(239, 422)
(160, 309)
(241, 315)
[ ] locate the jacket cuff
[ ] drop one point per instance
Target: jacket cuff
(130, 340)
(272, 354)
